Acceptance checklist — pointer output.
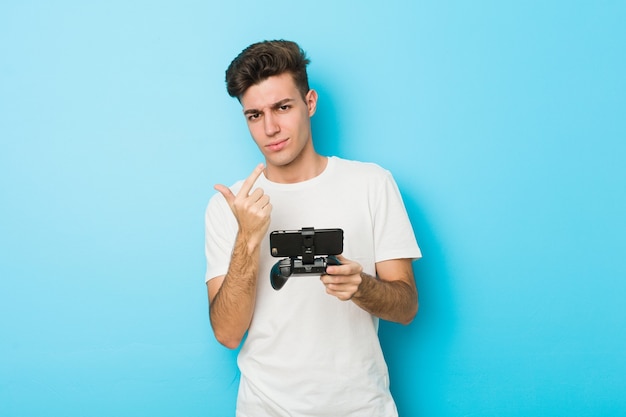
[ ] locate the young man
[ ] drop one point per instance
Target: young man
(310, 349)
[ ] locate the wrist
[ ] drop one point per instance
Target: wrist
(248, 243)
(364, 286)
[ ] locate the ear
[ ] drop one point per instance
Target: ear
(311, 101)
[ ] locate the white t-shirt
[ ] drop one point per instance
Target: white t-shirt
(306, 352)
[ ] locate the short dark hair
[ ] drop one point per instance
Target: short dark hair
(265, 59)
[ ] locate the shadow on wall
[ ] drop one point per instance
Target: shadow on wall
(326, 126)
(417, 355)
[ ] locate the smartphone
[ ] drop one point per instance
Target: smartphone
(306, 242)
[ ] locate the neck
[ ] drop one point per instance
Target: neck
(297, 171)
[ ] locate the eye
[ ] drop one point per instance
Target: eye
(284, 107)
(253, 116)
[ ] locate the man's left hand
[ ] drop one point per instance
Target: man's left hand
(343, 280)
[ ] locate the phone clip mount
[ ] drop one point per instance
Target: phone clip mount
(308, 263)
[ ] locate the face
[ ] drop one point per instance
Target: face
(279, 121)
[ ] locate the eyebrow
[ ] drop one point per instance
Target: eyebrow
(274, 106)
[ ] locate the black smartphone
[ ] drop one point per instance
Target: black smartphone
(307, 241)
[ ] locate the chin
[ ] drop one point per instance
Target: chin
(278, 161)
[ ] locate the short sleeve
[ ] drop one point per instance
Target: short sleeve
(220, 233)
(394, 237)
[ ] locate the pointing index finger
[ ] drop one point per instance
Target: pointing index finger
(249, 182)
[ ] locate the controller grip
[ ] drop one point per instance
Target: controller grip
(281, 271)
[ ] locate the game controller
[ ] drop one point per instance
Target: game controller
(283, 269)
(299, 249)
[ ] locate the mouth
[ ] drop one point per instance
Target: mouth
(277, 146)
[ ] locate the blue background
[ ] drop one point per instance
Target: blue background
(503, 123)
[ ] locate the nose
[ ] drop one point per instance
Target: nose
(270, 123)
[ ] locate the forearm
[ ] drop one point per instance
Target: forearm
(395, 301)
(232, 306)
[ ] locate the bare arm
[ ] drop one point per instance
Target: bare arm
(392, 296)
(232, 296)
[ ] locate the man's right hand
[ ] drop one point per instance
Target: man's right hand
(232, 296)
(251, 209)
